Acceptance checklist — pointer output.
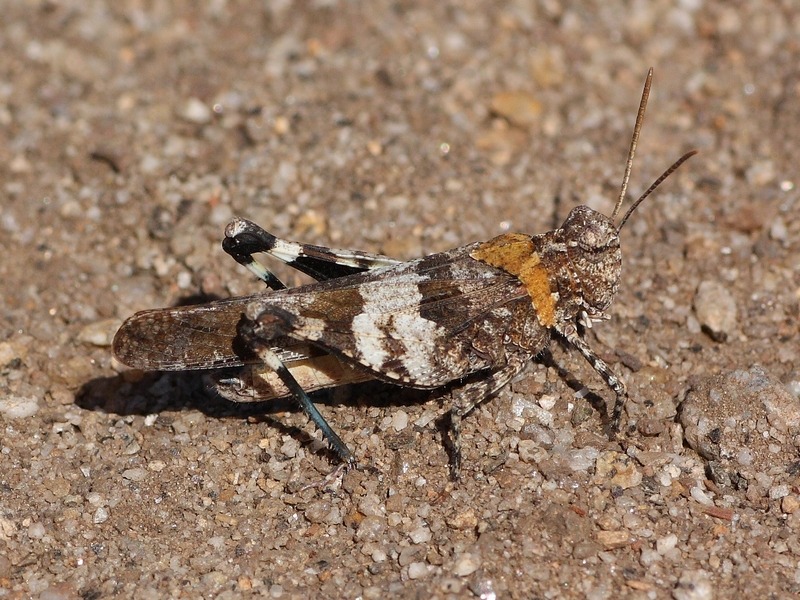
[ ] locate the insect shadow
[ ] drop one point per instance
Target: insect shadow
(173, 392)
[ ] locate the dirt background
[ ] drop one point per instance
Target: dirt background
(131, 132)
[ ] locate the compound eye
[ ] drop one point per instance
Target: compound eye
(597, 237)
(590, 239)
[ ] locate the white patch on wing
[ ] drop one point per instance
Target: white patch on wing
(385, 314)
(382, 299)
(369, 339)
(417, 360)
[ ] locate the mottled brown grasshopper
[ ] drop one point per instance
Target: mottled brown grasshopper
(467, 319)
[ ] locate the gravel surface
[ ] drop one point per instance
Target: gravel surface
(131, 133)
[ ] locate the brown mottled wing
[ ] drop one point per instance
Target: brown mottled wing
(412, 324)
(185, 337)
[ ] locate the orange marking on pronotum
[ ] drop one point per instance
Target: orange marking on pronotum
(514, 253)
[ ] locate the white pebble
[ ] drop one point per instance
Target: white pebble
(466, 564)
(666, 543)
(417, 570)
(400, 420)
(36, 530)
(420, 535)
(778, 492)
(700, 496)
(196, 111)
(100, 516)
(18, 407)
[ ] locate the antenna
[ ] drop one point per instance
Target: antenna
(637, 128)
(655, 184)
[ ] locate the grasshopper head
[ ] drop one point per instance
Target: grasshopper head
(592, 239)
(594, 257)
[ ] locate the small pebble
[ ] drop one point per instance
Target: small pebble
(790, 504)
(317, 511)
(18, 407)
(400, 420)
(466, 564)
(463, 520)
(196, 111)
(371, 506)
(715, 308)
(527, 450)
(379, 555)
(779, 491)
(666, 543)
(100, 333)
(100, 516)
(760, 173)
(420, 535)
(778, 230)
(408, 555)
(519, 108)
(613, 539)
(520, 404)
(371, 528)
(417, 570)
(156, 465)
(583, 459)
(134, 474)
(36, 530)
(701, 497)
(95, 499)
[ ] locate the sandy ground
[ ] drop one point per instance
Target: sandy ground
(131, 133)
